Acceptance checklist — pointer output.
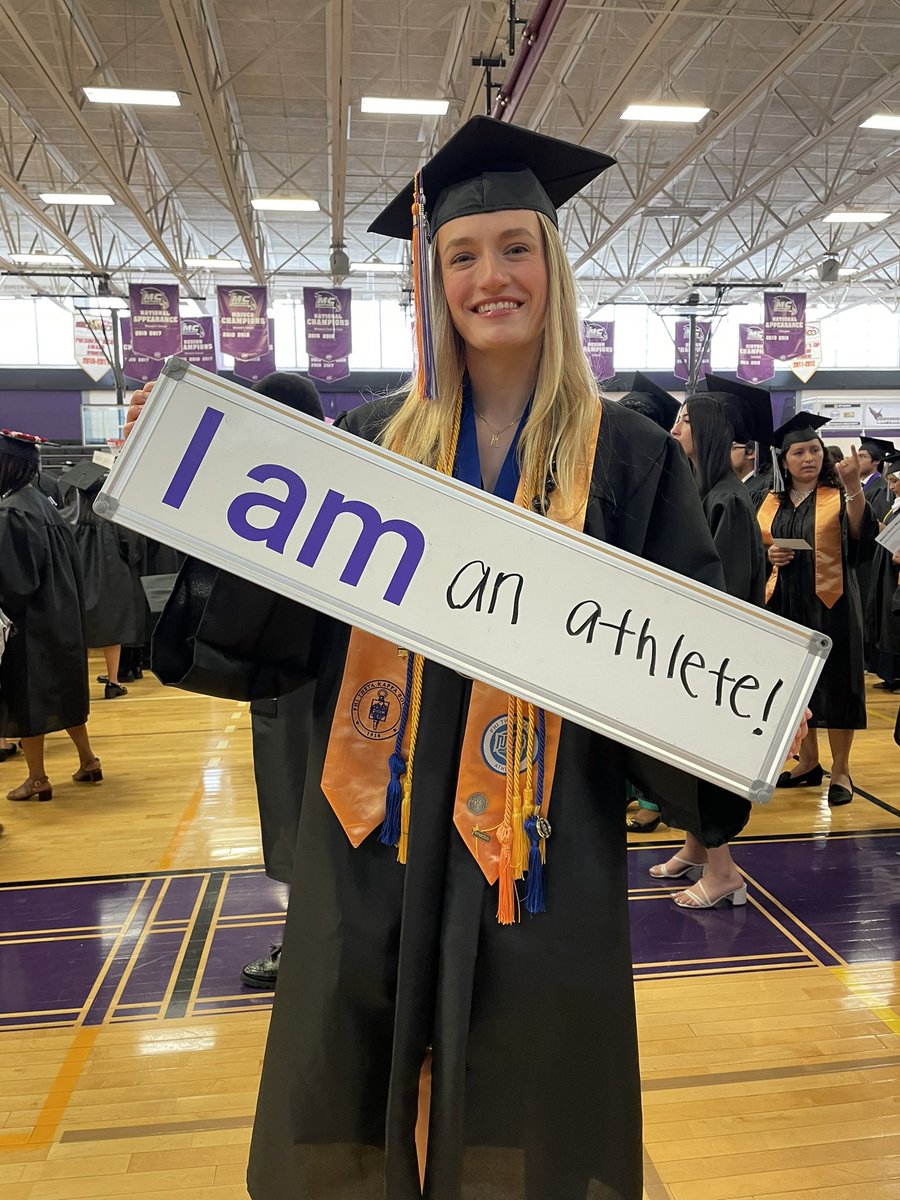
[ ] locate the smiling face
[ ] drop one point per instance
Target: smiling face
(681, 431)
(803, 462)
(494, 274)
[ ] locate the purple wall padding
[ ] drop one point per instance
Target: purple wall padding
(54, 415)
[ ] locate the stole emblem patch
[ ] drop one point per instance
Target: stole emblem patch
(493, 746)
(376, 710)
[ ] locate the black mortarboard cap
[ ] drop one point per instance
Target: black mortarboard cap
(801, 427)
(891, 460)
(749, 408)
(83, 475)
(878, 448)
(491, 166)
(662, 402)
(21, 445)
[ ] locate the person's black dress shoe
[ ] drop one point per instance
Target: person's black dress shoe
(633, 825)
(811, 778)
(838, 795)
(8, 751)
(113, 690)
(263, 972)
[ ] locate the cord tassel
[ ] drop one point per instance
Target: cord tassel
(390, 828)
(534, 886)
(405, 809)
(506, 899)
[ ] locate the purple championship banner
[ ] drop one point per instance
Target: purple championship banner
(754, 365)
(253, 369)
(632, 650)
(784, 325)
(137, 366)
(199, 342)
(329, 337)
(155, 320)
(598, 340)
(702, 345)
(243, 322)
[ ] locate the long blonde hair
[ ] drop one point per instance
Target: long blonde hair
(556, 435)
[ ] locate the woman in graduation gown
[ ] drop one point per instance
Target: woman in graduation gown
(395, 974)
(43, 672)
(883, 617)
(707, 427)
(823, 504)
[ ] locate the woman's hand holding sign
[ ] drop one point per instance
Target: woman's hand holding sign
(136, 407)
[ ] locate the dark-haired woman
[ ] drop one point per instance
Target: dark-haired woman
(707, 426)
(822, 504)
(43, 672)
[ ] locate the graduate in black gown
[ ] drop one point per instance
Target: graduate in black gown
(883, 615)
(43, 672)
(821, 503)
(110, 563)
(872, 453)
(393, 974)
(707, 427)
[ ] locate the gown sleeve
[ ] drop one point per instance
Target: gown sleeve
(21, 559)
(663, 521)
(731, 533)
(223, 636)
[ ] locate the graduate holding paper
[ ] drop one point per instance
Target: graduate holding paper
(454, 1014)
(823, 504)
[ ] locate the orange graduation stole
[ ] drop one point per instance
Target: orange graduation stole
(501, 798)
(827, 547)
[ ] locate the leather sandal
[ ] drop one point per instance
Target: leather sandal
(32, 789)
(660, 870)
(702, 900)
(89, 774)
(633, 825)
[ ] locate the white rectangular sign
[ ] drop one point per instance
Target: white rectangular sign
(655, 660)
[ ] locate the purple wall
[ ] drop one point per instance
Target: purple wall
(54, 415)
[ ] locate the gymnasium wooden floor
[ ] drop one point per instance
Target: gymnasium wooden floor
(129, 1052)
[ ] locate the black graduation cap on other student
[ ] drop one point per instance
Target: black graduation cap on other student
(84, 475)
(892, 462)
(749, 408)
(878, 448)
(21, 445)
(663, 403)
(801, 427)
(490, 166)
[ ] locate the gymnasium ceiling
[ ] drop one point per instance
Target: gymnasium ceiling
(271, 93)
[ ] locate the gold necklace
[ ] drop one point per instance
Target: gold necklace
(799, 496)
(496, 433)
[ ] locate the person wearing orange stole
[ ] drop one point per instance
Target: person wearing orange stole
(454, 1015)
(822, 504)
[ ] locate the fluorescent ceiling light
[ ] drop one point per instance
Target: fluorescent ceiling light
(285, 204)
(41, 258)
(683, 269)
(412, 108)
(95, 198)
(379, 268)
(122, 95)
(687, 114)
(881, 121)
(214, 264)
(848, 218)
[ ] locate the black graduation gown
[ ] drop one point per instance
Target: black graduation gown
(839, 701)
(112, 613)
(281, 730)
(535, 1076)
(43, 673)
(883, 616)
(731, 516)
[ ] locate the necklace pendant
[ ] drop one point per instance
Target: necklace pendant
(495, 439)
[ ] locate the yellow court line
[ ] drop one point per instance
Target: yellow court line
(65, 937)
(727, 958)
(182, 949)
(114, 950)
(187, 817)
(210, 934)
(887, 1015)
(41, 1012)
(59, 1094)
(640, 978)
(787, 912)
(136, 951)
(24, 933)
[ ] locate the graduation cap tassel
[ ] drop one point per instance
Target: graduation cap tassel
(390, 829)
(534, 888)
(422, 293)
(777, 473)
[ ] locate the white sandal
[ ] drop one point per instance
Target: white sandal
(736, 898)
(659, 871)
